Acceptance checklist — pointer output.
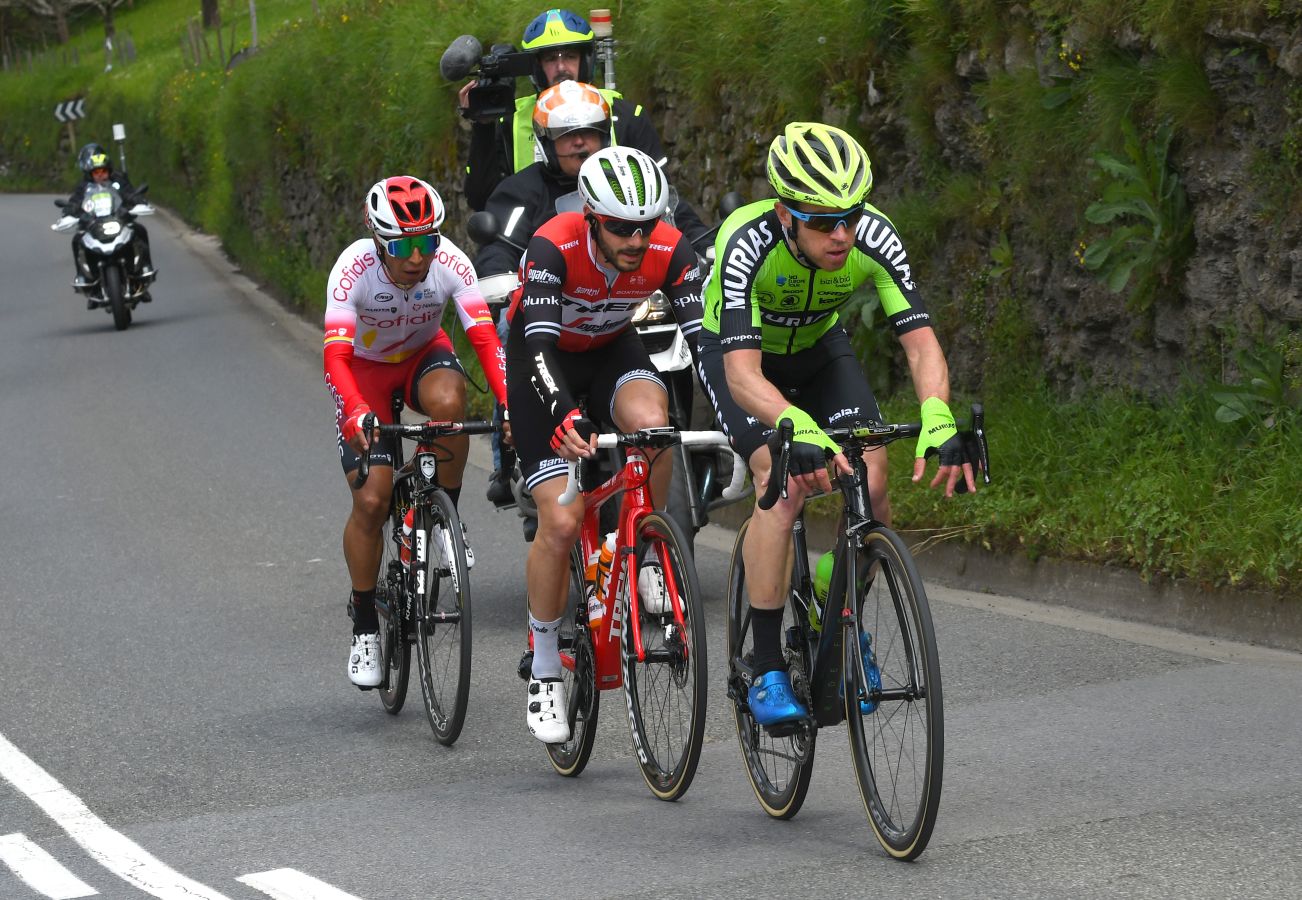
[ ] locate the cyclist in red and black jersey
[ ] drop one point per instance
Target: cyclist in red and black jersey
(583, 277)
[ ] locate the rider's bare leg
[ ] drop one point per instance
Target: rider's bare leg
(642, 403)
(362, 532)
(442, 395)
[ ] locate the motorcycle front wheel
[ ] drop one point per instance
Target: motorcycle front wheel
(115, 296)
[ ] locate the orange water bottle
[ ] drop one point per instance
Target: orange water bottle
(596, 609)
(603, 565)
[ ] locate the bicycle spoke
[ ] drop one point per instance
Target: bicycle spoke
(897, 746)
(443, 619)
(665, 690)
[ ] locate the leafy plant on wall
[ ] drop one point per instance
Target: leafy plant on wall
(1145, 202)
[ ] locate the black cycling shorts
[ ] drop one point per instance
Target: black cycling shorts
(380, 381)
(594, 374)
(825, 381)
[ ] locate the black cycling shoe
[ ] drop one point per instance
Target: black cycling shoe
(499, 489)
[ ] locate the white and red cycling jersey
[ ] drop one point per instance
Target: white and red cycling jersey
(369, 317)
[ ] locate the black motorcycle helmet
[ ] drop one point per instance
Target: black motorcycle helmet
(92, 156)
(554, 29)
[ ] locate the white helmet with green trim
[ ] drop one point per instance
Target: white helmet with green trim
(624, 183)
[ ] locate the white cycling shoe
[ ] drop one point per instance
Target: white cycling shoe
(364, 661)
(470, 553)
(651, 588)
(546, 715)
(443, 540)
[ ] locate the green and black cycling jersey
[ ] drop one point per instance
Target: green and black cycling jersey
(761, 297)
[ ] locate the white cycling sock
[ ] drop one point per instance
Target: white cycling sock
(546, 652)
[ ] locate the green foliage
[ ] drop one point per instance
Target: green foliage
(1001, 254)
(1271, 389)
(1154, 232)
(1291, 146)
(1114, 479)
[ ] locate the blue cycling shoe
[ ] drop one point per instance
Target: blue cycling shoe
(772, 700)
(874, 673)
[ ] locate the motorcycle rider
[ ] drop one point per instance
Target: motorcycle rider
(564, 48)
(571, 121)
(384, 305)
(571, 333)
(97, 168)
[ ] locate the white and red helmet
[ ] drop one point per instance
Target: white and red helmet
(566, 107)
(401, 206)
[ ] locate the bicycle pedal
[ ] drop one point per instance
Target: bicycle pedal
(787, 729)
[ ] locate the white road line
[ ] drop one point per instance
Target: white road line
(40, 871)
(291, 884)
(116, 852)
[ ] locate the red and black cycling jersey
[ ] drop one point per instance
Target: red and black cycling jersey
(570, 303)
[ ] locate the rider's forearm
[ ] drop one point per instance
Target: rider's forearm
(927, 364)
(752, 391)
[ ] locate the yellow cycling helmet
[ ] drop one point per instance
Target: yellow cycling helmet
(814, 163)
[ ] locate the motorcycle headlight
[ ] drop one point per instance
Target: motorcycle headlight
(111, 228)
(654, 309)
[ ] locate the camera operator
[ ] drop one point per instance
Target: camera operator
(571, 121)
(562, 45)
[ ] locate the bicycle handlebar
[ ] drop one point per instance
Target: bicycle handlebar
(975, 448)
(426, 432)
(666, 436)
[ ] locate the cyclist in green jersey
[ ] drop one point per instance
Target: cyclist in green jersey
(772, 348)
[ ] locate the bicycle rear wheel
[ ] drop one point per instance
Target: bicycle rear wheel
(779, 768)
(582, 699)
(895, 715)
(666, 691)
(391, 602)
(443, 617)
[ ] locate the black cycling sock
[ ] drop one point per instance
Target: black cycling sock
(766, 630)
(454, 494)
(365, 621)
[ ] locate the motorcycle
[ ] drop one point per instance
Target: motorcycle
(107, 237)
(700, 473)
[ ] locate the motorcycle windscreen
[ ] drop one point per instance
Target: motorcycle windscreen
(99, 203)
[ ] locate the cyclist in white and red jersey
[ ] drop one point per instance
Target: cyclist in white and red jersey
(582, 278)
(384, 305)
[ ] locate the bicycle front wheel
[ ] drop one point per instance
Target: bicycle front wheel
(443, 617)
(893, 697)
(666, 690)
(779, 767)
(582, 699)
(391, 603)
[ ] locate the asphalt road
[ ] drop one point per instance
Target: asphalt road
(175, 720)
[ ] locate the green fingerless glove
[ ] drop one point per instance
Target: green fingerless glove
(807, 431)
(937, 425)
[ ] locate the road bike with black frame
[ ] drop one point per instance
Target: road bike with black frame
(866, 654)
(659, 658)
(422, 596)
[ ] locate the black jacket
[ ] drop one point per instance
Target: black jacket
(534, 191)
(492, 151)
(118, 180)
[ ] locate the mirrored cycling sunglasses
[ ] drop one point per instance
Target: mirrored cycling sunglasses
(402, 247)
(626, 228)
(828, 222)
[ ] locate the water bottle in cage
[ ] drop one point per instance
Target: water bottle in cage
(404, 545)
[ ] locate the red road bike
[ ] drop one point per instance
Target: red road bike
(658, 657)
